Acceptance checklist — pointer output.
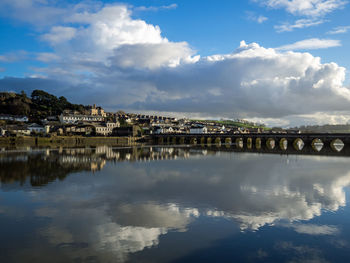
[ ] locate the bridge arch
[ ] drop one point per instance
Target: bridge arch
(337, 145)
(217, 140)
(228, 141)
(317, 144)
(239, 143)
(283, 144)
(298, 144)
(270, 143)
(193, 140)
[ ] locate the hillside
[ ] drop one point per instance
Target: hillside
(39, 106)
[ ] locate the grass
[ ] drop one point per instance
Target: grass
(233, 123)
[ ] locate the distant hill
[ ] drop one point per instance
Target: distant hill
(339, 128)
(233, 123)
(39, 106)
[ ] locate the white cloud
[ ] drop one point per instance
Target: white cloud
(261, 19)
(339, 30)
(312, 43)
(41, 13)
(156, 8)
(311, 10)
(253, 82)
(306, 7)
(298, 24)
(59, 34)
(47, 57)
(312, 229)
(14, 56)
(153, 55)
(111, 31)
(256, 18)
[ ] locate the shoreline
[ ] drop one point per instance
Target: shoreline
(68, 141)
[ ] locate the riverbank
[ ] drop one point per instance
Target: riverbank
(70, 141)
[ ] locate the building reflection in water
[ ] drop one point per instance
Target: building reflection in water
(136, 198)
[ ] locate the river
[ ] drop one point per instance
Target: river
(172, 204)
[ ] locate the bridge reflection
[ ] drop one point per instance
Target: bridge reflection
(46, 165)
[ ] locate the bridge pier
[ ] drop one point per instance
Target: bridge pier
(258, 143)
(173, 140)
(249, 143)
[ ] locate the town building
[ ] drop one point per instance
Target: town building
(36, 128)
(106, 128)
(17, 130)
(8, 117)
(97, 111)
(133, 131)
(74, 118)
(198, 130)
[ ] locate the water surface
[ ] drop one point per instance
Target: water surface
(164, 204)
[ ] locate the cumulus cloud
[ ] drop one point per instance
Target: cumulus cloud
(152, 55)
(312, 43)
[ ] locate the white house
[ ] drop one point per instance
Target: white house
(107, 128)
(36, 128)
(198, 130)
(164, 129)
(16, 129)
(103, 130)
(2, 132)
(112, 125)
(73, 118)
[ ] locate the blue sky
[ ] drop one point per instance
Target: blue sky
(184, 57)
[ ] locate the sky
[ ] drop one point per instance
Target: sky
(281, 62)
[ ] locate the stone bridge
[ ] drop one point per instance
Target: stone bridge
(321, 143)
